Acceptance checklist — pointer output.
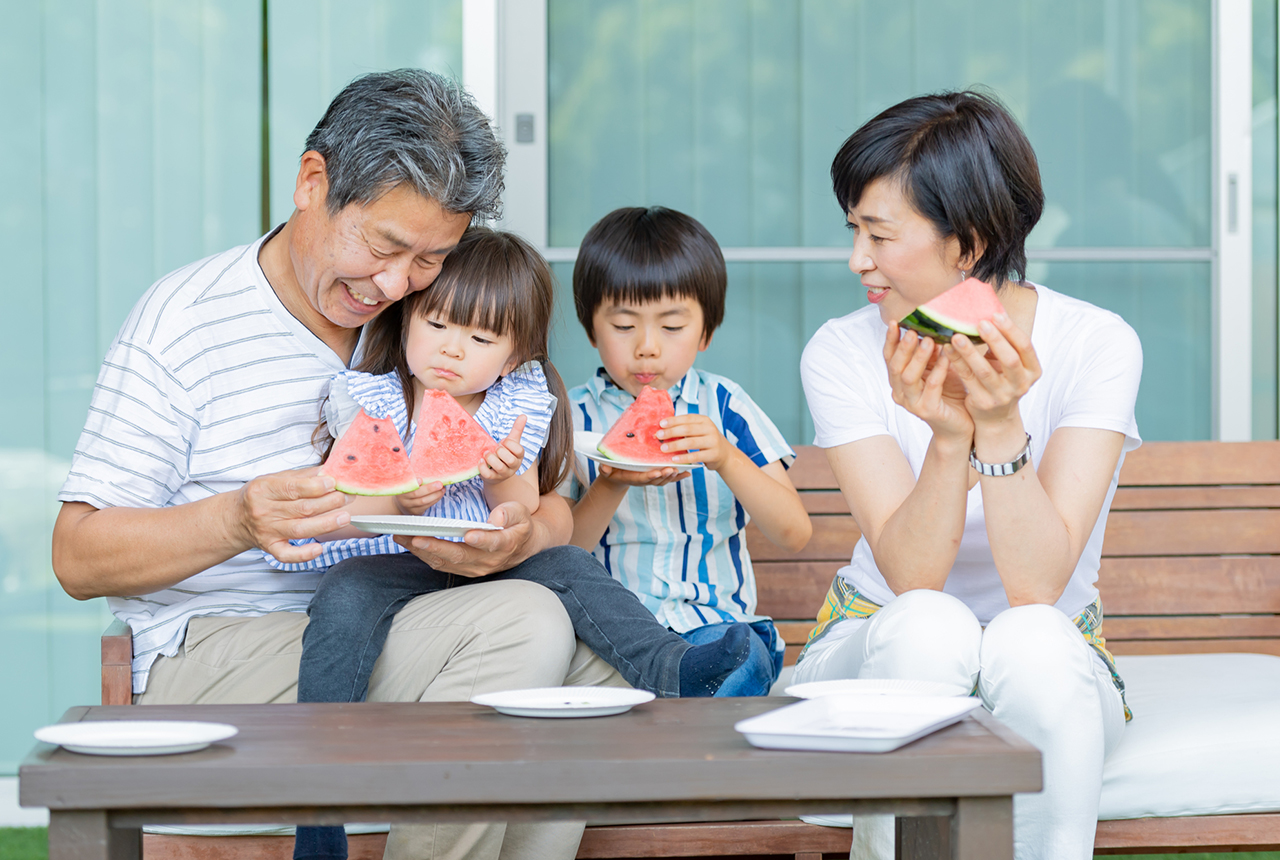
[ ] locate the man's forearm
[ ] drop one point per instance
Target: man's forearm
(128, 551)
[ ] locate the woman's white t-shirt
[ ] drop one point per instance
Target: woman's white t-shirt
(1092, 363)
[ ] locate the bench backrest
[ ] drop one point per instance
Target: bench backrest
(1191, 560)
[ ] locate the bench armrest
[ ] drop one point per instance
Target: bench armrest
(117, 664)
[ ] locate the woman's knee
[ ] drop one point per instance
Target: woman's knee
(927, 635)
(1038, 650)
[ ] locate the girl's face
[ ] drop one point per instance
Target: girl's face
(460, 359)
(902, 260)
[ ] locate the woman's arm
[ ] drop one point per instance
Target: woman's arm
(1038, 520)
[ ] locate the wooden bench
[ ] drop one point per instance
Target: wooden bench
(1191, 565)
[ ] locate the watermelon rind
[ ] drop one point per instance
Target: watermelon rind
(356, 490)
(940, 330)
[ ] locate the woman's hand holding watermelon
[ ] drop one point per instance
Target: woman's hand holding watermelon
(996, 381)
(922, 384)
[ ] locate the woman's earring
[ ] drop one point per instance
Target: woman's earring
(964, 276)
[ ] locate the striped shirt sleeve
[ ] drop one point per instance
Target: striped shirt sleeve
(748, 427)
(135, 448)
(523, 391)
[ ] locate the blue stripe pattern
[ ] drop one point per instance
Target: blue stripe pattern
(680, 547)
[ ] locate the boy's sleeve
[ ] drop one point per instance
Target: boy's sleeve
(748, 427)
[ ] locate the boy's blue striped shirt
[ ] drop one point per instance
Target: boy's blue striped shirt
(681, 547)
(523, 391)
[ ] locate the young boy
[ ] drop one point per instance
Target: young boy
(649, 286)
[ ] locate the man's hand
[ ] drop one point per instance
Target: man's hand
(484, 552)
(274, 509)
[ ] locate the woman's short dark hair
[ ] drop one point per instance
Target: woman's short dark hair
(963, 163)
(643, 254)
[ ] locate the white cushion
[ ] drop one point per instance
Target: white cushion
(1204, 739)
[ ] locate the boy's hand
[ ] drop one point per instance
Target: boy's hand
(697, 435)
(504, 461)
(415, 504)
(653, 478)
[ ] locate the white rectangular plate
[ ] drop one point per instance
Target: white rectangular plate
(854, 723)
(418, 526)
(585, 443)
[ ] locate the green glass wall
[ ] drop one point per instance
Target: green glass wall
(133, 144)
(732, 112)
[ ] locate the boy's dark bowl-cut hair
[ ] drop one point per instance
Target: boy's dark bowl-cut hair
(963, 163)
(643, 254)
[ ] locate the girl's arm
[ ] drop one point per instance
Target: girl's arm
(1038, 520)
(498, 469)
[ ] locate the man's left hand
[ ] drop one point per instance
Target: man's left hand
(483, 552)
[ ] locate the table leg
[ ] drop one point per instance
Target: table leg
(89, 836)
(922, 838)
(982, 829)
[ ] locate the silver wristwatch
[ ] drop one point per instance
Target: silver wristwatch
(997, 470)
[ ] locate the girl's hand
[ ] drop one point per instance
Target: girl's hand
(932, 394)
(994, 383)
(415, 504)
(697, 435)
(504, 461)
(654, 478)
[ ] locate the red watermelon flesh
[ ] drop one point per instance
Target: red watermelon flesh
(370, 460)
(957, 311)
(633, 437)
(449, 443)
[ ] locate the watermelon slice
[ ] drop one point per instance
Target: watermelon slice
(370, 460)
(449, 443)
(957, 311)
(633, 437)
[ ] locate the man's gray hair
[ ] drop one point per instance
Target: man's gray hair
(412, 127)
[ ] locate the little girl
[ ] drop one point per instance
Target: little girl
(479, 333)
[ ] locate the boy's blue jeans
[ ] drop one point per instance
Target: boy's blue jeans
(357, 599)
(757, 674)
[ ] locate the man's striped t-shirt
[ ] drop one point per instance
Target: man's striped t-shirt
(210, 383)
(681, 547)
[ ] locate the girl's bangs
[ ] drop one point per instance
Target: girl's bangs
(471, 304)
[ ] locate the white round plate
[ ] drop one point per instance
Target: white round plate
(585, 443)
(564, 701)
(440, 527)
(135, 737)
(870, 687)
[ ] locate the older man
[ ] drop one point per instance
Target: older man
(198, 455)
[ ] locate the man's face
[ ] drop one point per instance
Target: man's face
(351, 266)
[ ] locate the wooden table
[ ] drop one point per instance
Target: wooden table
(669, 760)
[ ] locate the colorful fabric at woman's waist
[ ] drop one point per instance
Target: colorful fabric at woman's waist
(844, 601)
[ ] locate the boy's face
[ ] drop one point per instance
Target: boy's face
(650, 343)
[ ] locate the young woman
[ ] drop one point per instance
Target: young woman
(979, 475)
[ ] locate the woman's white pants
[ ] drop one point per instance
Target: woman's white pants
(1034, 672)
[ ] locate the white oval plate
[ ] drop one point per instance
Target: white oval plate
(418, 526)
(564, 701)
(585, 443)
(135, 737)
(870, 687)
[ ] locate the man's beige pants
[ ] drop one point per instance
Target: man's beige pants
(443, 647)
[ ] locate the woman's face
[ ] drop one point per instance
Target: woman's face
(902, 260)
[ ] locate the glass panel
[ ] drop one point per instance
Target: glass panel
(774, 308)
(318, 46)
(732, 111)
(130, 148)
(1264, 220)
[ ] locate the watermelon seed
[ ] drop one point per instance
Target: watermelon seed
(377, 428)
(631, 435)
(351, 458)
(396, 448)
